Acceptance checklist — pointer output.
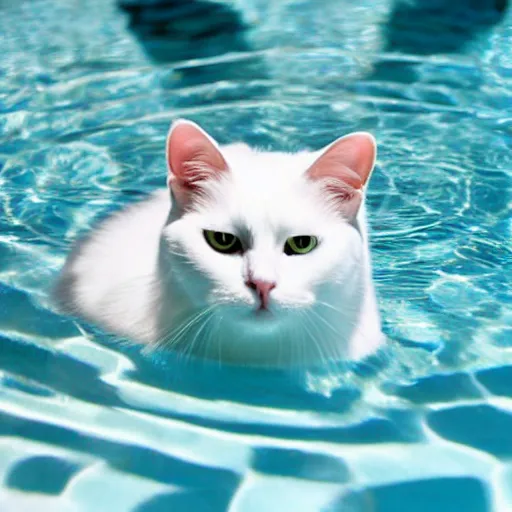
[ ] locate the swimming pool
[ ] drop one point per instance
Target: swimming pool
(86, 97)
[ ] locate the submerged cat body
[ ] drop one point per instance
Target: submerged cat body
(247, 257)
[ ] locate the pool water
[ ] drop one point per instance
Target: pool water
(87, 92)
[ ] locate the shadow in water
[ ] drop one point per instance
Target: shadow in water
(172, 31)
(205, 67)
(427, 27)
(430, 27)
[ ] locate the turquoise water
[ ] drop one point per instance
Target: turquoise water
(86, 97)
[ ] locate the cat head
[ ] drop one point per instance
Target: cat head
(263, 238)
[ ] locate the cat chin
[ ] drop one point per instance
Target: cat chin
(254, 314)
(267, 344)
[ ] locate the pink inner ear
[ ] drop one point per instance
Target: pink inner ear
(345, 166)
(349, 159)
(192, 157)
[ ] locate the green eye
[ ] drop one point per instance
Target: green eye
(300, 244)
(222, 242)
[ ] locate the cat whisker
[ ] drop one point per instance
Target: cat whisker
(211, 337)
(179, 254)
(219, 341)
(328, 353)
(312, 336)
(330, 306)
(301, 346)
(207, 341)
(172, 338)
(353, 323)
(325, 322)
(192, 345)
(347, 308)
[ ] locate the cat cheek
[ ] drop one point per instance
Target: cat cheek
(293, 298)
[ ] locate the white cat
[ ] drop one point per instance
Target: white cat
(248, 257)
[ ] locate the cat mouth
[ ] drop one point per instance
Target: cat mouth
(262, 311)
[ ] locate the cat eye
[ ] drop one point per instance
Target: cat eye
(300, 244)
(225, 243)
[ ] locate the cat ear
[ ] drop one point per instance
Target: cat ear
(344, 167)
(192, 157)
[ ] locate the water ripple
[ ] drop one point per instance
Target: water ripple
(83, 115)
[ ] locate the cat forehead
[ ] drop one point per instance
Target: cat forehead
(269, 180)
(267, 190)
(252, 166)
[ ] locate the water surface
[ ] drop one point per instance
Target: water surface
(87, 93)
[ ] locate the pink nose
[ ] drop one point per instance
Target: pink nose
(263, 289)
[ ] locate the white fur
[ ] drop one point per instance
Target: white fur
(151, 276)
